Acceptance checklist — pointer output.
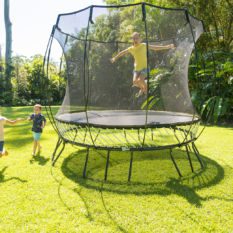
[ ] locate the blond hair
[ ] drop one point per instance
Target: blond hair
(136, 34)
(38, 105)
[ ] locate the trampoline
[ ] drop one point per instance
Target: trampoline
(127, 119)
(101, 108)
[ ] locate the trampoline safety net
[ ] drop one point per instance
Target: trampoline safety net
(101, 98)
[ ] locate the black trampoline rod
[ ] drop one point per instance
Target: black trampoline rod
(196, 61)
(148, 73)
(86, 95)
(46, 58)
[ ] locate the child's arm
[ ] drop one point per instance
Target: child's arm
(13, 122)
(120, 54)
(30, 118)
(43, 124)
(161, 47)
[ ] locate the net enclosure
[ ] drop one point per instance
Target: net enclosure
(126, 69)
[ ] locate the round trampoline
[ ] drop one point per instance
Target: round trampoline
(127, 119)
(109, 103)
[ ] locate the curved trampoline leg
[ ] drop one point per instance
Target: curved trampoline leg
(54, 156)
(196, 152)
(85, 165)
(189, 158)
(130, 166)
(59, 141)
(106, 168)
(174, 162)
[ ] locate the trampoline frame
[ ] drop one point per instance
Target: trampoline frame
(62, 141)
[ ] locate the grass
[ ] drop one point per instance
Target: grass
(36, 197)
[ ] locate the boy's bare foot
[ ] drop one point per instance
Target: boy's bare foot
(5, 153)
(33, 154)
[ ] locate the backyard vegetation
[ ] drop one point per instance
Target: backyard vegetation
(36, 197)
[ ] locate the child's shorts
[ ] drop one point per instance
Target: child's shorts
(36, 136)
(142, 72)
(1, 146)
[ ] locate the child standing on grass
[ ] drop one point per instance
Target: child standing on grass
(38, 123)
(3, 121)
(139, 51)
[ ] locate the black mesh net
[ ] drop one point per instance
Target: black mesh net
(102, 94)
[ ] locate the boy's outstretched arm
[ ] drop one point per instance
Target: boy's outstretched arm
(13, 122)
(161, 47)
(120, 54)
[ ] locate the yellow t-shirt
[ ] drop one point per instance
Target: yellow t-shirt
(139, 54)
(2, 122)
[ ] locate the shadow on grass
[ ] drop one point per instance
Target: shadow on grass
(3, 179)
(120, 228)
(39, 159)
(153, 173)
(21, 141)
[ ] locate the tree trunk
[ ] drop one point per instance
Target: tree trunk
(1, 78)
(8, 63)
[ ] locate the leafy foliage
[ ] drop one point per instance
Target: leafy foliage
(210, 80)
(212, 86)
(30, 83)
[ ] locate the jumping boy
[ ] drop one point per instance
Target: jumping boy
(138, 51)
(38, 123)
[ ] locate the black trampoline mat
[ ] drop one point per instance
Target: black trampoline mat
(127, 118)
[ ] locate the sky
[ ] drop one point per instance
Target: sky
(32, 22)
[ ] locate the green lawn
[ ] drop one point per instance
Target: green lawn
(36, 197)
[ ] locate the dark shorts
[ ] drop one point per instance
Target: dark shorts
(1, 146)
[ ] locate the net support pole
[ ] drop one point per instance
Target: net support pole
(148, 73)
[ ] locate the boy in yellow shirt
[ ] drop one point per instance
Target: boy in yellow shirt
(138, 51)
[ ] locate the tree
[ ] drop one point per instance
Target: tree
(216, 14)
(210, 79)
(21, 93)
(1, 77)
(8, 62)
